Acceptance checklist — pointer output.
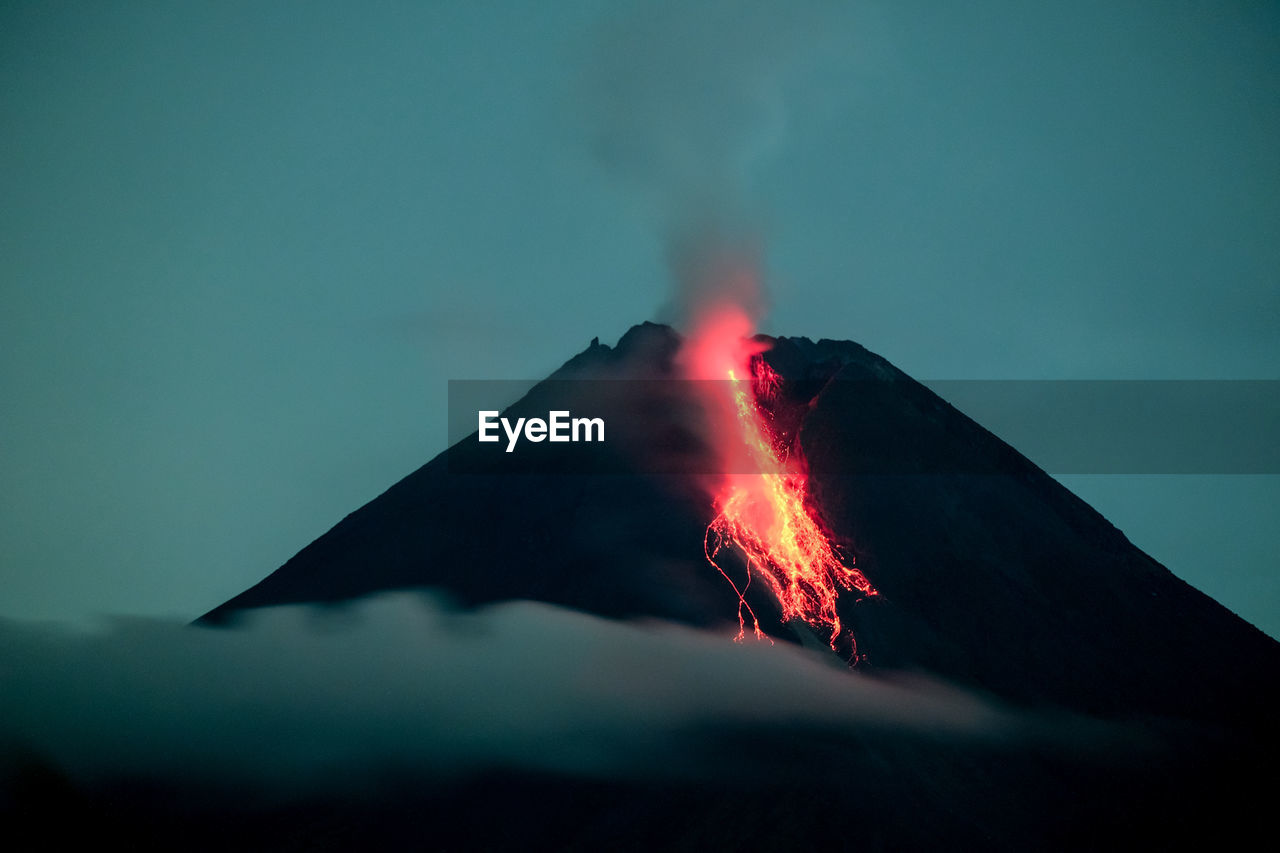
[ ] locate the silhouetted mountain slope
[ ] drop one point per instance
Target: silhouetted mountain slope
(991, 575)
(1000, 579)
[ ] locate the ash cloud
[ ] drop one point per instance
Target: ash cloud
(299, 699)
(683, 102)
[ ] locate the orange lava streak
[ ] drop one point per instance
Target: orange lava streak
(764, 515)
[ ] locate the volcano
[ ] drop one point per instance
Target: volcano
(987, 574)
(992, 574)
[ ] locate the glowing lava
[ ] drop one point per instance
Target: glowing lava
(764, 515)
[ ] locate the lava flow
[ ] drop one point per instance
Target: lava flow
(764, 515)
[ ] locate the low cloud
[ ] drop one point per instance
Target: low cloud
(304, 698)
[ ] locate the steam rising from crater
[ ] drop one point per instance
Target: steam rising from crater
(684, 101)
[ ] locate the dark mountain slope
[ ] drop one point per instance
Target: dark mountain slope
(992, 574)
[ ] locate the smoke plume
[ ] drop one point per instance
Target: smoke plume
(685, 100)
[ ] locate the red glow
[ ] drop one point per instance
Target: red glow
(764, 515)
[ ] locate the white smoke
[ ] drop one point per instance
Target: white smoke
(685, 100)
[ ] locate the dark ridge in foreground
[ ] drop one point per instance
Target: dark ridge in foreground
(877, 794)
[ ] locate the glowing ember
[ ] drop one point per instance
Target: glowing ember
(764, 515)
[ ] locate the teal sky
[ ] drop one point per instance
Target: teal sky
(243, 245)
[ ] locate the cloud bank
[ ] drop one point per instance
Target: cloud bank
(298, 698)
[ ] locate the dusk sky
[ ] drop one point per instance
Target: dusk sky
(244, 245)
